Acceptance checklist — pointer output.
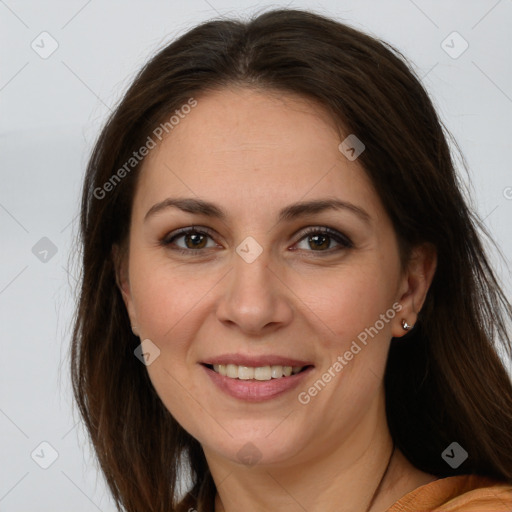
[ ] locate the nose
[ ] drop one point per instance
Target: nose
(254, 299)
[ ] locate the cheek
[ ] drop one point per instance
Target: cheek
(172, 299)
(168, 306)
(347, 301)
(165, 295)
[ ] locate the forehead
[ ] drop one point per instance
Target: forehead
(254, 147)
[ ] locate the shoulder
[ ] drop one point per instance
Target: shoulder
(466, 493)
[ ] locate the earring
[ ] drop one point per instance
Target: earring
(134, 330)
(405, 325)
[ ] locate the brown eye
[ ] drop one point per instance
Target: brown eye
(320, 240)
(195, 240)
(188, 240)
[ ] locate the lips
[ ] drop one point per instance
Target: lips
(251, 381)
(256, 361)
(254, 390)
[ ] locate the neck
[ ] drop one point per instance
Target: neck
(351, 477)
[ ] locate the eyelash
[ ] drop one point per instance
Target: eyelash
(338, 237)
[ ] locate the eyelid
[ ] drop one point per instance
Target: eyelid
(188, 229)
(341, 239)
(169, 238)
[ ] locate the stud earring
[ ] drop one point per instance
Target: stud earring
(405, 325)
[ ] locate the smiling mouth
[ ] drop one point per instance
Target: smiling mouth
(260, 373)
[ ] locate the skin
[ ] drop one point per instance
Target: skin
(252, 153)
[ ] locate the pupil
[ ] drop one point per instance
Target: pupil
(316, 238)
(195, 238)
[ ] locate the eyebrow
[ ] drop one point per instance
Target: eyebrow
(292, 211)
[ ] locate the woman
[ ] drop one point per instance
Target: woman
(285, 302)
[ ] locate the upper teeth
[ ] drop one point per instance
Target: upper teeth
(260, 373)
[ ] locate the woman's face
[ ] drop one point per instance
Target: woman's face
(259, 283)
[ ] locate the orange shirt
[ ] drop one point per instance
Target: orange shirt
(466, 493)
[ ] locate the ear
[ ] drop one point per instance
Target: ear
(120, 260)
(414, 286)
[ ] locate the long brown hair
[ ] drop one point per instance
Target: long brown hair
(444, 382)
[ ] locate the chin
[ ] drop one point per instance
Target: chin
(249, 450)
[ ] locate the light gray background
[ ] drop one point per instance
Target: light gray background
(51, 111)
